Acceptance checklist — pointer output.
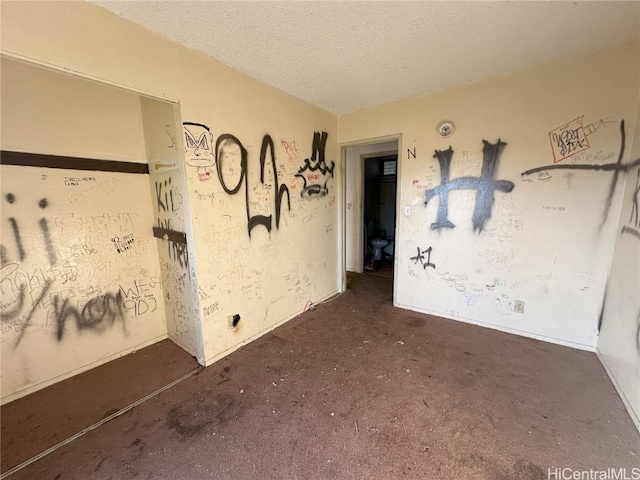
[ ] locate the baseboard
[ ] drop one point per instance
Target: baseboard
(513, 331)
(621, 394)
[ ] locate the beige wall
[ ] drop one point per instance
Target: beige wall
(619, 342)
(543, 243)
(268, 277)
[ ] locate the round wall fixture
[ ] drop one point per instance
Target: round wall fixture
(446, 128)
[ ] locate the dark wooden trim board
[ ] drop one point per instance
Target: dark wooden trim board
(171, 235)
(72, 163)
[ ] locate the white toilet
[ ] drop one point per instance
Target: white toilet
(378, 244)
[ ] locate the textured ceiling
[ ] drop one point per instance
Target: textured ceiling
(345, 56)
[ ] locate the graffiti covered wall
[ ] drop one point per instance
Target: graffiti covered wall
(619, 342)
(261, 169)
(265, 214)
(80, 282)
(512, 219)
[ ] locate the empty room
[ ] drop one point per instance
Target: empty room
(320, 239)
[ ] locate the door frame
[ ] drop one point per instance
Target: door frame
(342, 210)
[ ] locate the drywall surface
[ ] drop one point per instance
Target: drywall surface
(80, 280)
(354, 200)
(619, 342)
(263, 199)
(514, 216)
(91, 121)
(171, 210)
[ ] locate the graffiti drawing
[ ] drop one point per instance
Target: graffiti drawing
(229, 149)
(26, 291)
(198, 145)
(485, 185)
(616, 168)
(568, 139)
(420, 257)
(316, 163)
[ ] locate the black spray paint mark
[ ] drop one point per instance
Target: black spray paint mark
(485, 185)
(14, 226)
(317, 160)
(44, 226)
(98, 314)
(634, 219)
(164, 197)
(410, 153)
(420, 257)
(45, 232)
(631, 231)
(316, 163)
(27, 319)
(223, 145)
(177, 251)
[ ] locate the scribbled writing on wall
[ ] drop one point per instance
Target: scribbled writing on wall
(616, 168)
(420, 258)
(485, 185)
(139, 297)
(316, 168)
(169, 205)
(198, 143)
(122, 244)
(568, 139)
(231, 160)
(26, 290)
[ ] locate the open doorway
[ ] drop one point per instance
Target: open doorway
(379, 201)
(379, 213)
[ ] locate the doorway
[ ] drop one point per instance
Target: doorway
(379, 214)
(355, 237)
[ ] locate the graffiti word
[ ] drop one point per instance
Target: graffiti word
(97, 191)
(105, 226)
(291, 148)
(75, 181)
(168, 198)
(420, 257)
(139, 299)
(198, 145)
(317, 162)
(205, 176)
(485, 185)
(568, 140)
(173, 144)
(229, 149)
(99, 313)
(123, 244)
(211, 309)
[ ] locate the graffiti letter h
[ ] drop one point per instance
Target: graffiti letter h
(485, 185)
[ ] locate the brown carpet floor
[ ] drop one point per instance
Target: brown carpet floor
(355, 389)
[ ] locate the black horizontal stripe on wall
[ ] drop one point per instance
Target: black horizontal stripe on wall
(71, 163)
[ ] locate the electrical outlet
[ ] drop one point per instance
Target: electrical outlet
(518, 306)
